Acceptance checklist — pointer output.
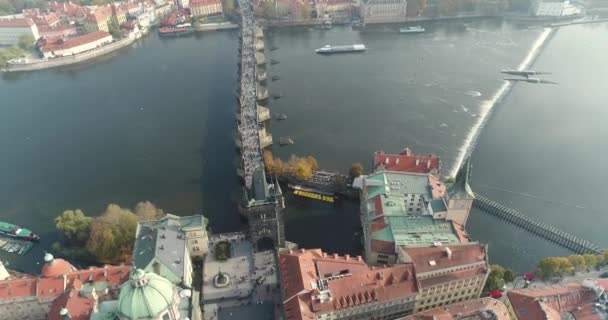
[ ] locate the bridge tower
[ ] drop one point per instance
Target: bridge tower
(460, 196)
(263, 206)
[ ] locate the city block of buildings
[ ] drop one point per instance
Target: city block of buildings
(317, 285)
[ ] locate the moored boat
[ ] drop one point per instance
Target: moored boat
(176, 31)
(412, 29)
(340, 49)
(14, 231)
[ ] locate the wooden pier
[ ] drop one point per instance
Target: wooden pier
(543, 230)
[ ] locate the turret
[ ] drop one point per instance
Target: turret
(460, 196)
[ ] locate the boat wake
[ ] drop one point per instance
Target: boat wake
(488, 105)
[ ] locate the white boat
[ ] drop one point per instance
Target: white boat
(412, 29)
(340, 49)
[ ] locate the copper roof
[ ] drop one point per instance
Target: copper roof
(347, 280)
(406, 161)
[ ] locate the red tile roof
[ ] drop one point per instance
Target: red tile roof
(57, 268)
(16, 23)
(541, 303)
(100, 14)
(349, 282)
(79, 307)
(406, 161)
(381, 246)
(200, 3)
(469, 310)
(437, 258)
(51, 287)
(76, 41)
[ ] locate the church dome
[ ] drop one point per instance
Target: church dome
(53, 268)
(145, 296)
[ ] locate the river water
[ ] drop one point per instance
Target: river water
(156, 122)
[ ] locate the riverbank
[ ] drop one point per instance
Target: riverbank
(65, 61)
(488, 107)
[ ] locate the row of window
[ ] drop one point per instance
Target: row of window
(449, 296)
(447, 302)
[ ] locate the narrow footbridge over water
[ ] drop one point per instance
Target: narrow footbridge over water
(555, 235)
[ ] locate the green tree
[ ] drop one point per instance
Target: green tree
(578, 262)
(605, 257)
(26, 42)
(9, 54)
(495, 278)
(114, 28)
(112, 235)
(74, 225)
(356, 170)
(508, 276)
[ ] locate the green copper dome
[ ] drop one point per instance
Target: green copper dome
(144, 296)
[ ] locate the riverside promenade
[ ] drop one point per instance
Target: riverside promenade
(41, 64)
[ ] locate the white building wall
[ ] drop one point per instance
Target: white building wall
(78, 49)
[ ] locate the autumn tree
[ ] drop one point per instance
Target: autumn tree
(306, 10)
(112, 235)
(591, 261)
(356, 170)
(554, 266)
(146, 210)
(578, 262)
(74, 225)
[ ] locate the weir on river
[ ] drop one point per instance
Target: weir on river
(543, 230)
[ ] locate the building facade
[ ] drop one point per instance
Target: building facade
(383, 11)
(205, 8)
(58, 32)
(484, 308)
(98, 19)
(76, 45)
(447, 274)
(317, 285)
(167, 246)
(263, 207)
(574, 300)
(552, 8)
(13, 29)
(334, 8)
(59, 286)
(401, 209)
(406, 161)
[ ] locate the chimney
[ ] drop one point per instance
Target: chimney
(397, 161)
(359, 258)
(347, 257)
(448, 252)
(65, 314)
(417, 162)
(428, 163)
(335, 256)
(386, 160)
(324, 254)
